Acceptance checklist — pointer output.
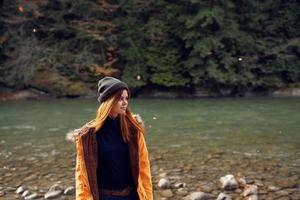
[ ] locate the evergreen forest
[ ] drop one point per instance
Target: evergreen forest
(217, 47)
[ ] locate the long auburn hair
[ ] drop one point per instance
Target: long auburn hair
(129, 125)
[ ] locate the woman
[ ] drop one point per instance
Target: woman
(112, 158)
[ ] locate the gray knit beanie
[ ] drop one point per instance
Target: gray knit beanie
(107, 86)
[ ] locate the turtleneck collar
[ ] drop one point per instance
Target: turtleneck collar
(110, 119)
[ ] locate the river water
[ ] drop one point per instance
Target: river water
(193, 141)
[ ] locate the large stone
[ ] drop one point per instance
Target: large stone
(164, 183)
(229, 182)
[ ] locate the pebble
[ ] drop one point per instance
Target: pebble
(208, 188)
(286, 182)
(272, 188)
(164, 174)
(250, 181)
(167, 193)
(2, 193)
(229, 182)
(291, 190)
(30, 178)
(281, 193)
(179, 185)
(238, 191)
(48, 175)
(242, 181)
(259, 183)
(10, 189)
(182, 191)
(55, 152)
(55, 187)
(54, 191)
(174, 177)
(262, 191)
(252, 197)
(223, 196)
(164, 183)
(294, 196)
(20, 190)
(69, 190)
(52, 194)
(32, 196)
(25, 193)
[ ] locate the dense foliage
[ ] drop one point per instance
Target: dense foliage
(223, 47)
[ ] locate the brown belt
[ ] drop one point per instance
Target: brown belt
(122, 193)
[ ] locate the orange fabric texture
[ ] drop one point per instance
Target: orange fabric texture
(144, 181)
(82, 185)
(83, 189)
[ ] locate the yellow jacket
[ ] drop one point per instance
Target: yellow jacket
(87, 162)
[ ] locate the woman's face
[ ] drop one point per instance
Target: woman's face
(121, 105)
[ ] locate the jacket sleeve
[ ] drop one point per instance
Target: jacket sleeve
(81, 181)
(144, 171)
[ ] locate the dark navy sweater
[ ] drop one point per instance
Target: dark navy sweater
(114, 171)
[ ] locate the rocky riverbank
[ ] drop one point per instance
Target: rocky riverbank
(228, 188)
(172, 185)
(47, 172)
